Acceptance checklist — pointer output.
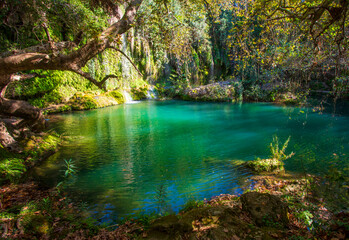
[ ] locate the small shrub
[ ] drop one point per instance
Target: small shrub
(69, 171)
(276, 152)
(275, 162)
(306, 217)
(341, 86)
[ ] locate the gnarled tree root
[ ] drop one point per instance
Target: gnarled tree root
(28, 117)
(32, 116)
(6, 139)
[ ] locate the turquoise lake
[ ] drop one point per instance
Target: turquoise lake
(127, 154)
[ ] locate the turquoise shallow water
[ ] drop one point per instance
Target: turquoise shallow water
(127, 153)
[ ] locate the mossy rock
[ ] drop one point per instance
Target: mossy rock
(266, 165)
(81, 101)
(78, 96)
(58, 108)
(104, 101)
(38, 147)
(117, 95)
(89, 102)
(216, 92)
(219, 222)
(86, 101)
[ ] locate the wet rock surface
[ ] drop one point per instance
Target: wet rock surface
(235, 219)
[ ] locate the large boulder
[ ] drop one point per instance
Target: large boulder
(220, 222)
(265, 209)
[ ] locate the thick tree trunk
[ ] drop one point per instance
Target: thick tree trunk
(53, 56)
(32, 116)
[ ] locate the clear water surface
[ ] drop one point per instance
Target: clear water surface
(131, 157)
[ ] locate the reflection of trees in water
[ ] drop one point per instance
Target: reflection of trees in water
(161, 199)
(150, 160)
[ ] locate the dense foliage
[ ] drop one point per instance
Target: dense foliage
(270, 46)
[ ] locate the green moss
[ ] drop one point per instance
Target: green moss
(36, 224)
(117, 95)
(139, 93)
(93, 100)
(266, 165)
(81, 101)
(11, 169)
(13, 165)
(89, 102)
(37, 146)
(58, 109)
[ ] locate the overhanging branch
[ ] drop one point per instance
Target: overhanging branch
(86, 75)
(124, 54)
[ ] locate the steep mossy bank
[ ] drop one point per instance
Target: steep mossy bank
(97, 99)
(87, 100)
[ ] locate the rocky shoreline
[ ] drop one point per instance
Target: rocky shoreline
(276, 206)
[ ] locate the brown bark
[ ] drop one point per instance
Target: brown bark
(51, 56)
(32, 116)
(6, 140)
(41, 57)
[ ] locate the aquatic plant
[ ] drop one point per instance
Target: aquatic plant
(277, 152)
(161, 199)
(69, 171)
(275, 162)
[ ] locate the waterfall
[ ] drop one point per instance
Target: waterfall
(151, 93)
(128, 97)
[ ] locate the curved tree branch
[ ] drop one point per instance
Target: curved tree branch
(41, 57)
(54, 56)
(86, 75)
(124, 54)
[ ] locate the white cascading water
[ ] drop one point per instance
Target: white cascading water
(128, 97)
(151, 93)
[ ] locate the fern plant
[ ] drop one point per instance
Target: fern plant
(12, 169)
(277, 152)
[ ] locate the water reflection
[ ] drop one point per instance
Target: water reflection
(125, 154)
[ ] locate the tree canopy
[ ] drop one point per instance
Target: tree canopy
(202, 40)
